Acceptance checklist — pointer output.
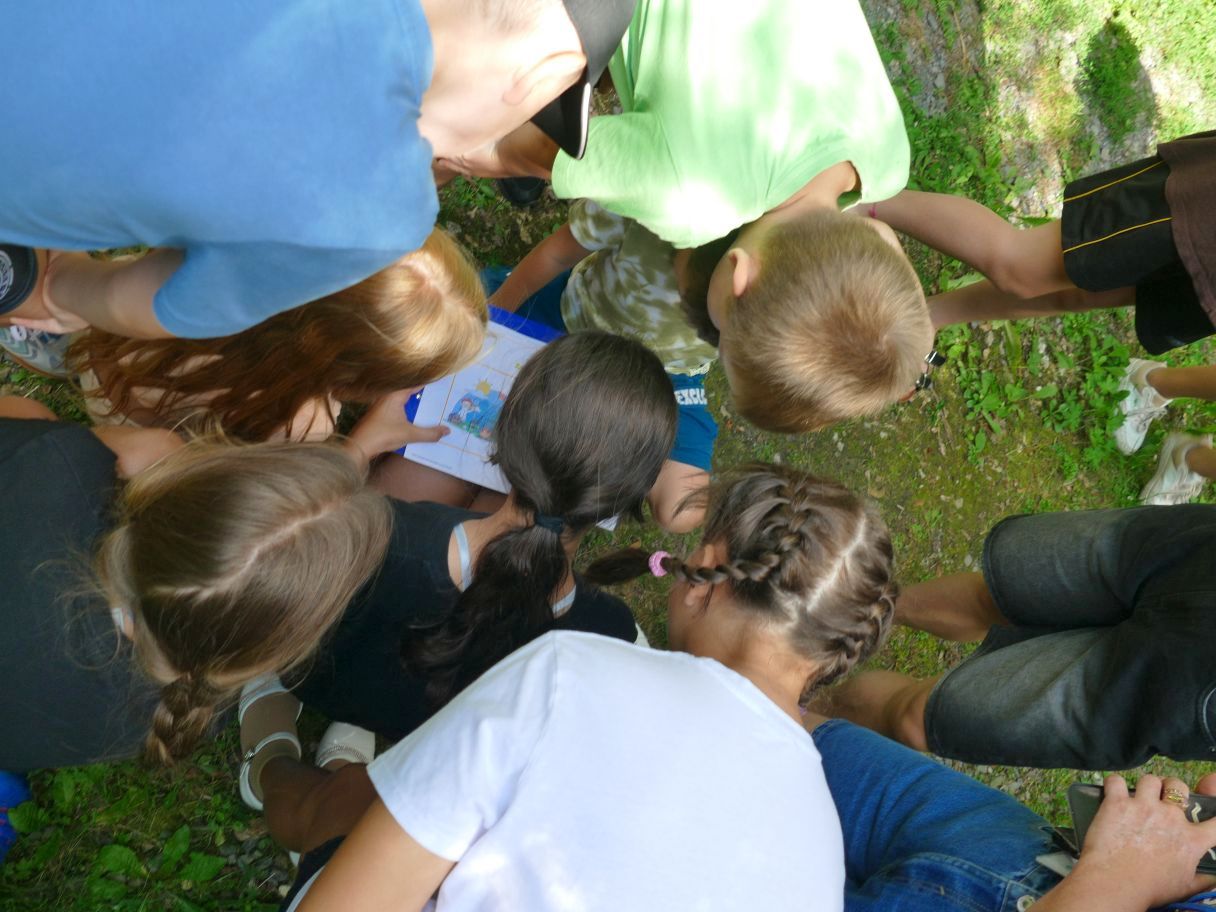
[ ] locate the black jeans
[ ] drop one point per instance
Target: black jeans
(1111, 653)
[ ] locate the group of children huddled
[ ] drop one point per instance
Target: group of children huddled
(211, 543)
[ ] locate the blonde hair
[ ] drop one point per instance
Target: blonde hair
(834, 326)
(230, 561)
(806, 555)
(413, 322)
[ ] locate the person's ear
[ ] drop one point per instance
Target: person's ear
(708, 555)
(744, 267)
(536, 85)
(713, 554)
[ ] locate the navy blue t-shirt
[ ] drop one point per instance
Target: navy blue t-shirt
(276, 143)
(357, 676)
(71, 691)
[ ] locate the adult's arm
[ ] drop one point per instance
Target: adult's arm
(378, 867)
(113, 295)
(1140, 853)
(524, 152)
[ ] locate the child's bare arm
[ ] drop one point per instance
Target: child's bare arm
(675, 483)
(545, 262)
(378, 866)
(1025, 263)
(984, 301)
(137, 448)
(384, 428)
(20, 407)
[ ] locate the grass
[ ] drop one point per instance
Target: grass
(1113, 83)
(1003, 103)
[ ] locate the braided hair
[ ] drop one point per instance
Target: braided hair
(806, 555)
(228, 561)
(181, 719)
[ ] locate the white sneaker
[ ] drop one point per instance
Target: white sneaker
(1142, 406)
(1174, 482)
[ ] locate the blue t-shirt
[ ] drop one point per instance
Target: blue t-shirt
(275, 142)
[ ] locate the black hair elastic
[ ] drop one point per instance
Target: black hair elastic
(553, 524)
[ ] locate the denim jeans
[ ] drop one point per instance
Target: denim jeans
(1107, 658)
(920, 836)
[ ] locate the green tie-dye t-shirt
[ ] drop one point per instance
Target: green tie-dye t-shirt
(628, 287)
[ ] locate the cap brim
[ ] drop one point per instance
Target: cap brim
(564, 120)
(600, 25)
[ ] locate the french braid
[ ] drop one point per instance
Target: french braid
(807, 555)
(227, 561)
(187, 706)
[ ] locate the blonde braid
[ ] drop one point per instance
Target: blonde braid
(187, 706)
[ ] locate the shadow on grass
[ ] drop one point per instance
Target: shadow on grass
(1113, 84)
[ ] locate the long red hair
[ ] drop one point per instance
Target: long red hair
(413, 322)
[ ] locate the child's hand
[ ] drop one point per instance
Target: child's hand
(508, 300)
(385, 428)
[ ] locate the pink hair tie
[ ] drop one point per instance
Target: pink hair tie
(874, 210)
(656, 563)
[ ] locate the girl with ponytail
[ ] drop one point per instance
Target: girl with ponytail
(581, 438)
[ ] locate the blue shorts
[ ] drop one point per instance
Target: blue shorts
(696, 429)
(920, 837)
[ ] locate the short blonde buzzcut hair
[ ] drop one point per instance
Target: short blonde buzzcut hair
(834, 326)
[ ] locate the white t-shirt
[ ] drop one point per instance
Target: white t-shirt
(582, 773)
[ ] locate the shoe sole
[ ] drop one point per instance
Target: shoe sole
(22, 363)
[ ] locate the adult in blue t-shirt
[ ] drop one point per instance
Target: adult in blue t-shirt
(275, 152)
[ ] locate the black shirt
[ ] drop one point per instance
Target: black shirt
(358, 678)
(70, 691)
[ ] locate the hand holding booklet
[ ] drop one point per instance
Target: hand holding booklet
(469, 401)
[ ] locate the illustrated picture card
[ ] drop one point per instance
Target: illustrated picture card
(470, 401)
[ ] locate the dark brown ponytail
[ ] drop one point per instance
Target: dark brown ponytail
(581, 438)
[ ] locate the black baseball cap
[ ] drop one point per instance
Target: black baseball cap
(600, 25)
